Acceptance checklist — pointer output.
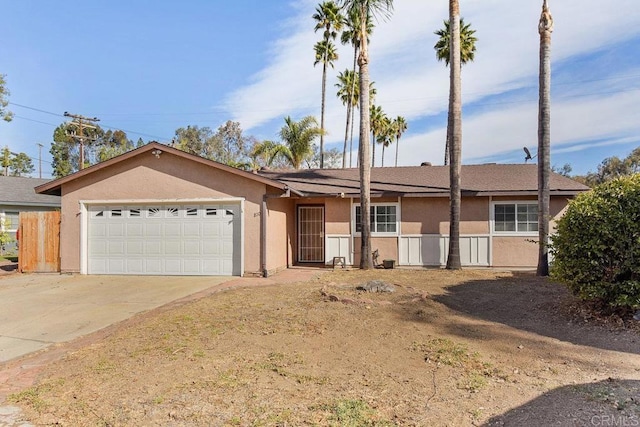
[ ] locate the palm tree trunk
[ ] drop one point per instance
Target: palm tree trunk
(454, 132)
(366, 259)
(324, 92)
(346, 136)
(544, 139)
(353, 110)
(382, 164)
(397, 143)
(373, 144)
(446, 150)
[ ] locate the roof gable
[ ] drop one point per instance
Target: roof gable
(54, 187)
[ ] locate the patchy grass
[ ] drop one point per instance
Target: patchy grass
(447, 348)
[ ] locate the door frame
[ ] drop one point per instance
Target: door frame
(299, 233)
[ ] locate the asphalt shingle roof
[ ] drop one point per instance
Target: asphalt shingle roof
(20, 191)
(487, 179)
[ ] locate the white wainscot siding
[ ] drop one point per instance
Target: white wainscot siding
(432, 250)
(338, 245)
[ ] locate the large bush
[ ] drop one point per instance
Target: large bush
(597, 246)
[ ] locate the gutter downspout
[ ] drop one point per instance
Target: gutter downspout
(263, 228)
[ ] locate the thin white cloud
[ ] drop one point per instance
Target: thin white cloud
(410, 82)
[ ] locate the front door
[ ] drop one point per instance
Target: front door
(310, 233)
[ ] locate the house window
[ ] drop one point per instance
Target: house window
(383, 218)
(515, 217)
(191, 211)
(10, 222)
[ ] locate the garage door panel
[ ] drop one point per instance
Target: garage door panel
(172, 229)
(135, 230)
(153, 247)
(161, 240)
(116, 248)
(135, 248)
(98, 248)
(173, 247)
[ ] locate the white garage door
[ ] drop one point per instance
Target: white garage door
(164, 240)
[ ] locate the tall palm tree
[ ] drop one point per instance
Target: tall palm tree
(467, 53)
(376, 118)
(298, 139)
(545, 27)
(348, 94)
(351, 34)
(454, 136)
(366, 10)
(400, 126)
(328, 19)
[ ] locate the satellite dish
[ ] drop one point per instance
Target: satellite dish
(528, 154)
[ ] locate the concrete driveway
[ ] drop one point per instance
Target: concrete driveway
(38, 310)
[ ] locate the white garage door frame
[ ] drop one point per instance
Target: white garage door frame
(84, 219)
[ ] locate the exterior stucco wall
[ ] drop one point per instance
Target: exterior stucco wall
(387, 248)
(514, 252)
(430, 215)
(145, 177)
(337, 216)
(279, 237)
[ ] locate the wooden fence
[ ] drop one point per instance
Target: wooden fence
(39, 242)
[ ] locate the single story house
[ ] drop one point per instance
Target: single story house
(158, 210)
(17, 195)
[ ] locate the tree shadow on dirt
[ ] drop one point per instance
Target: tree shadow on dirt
(8, 267)
(603, 403)
(533, 304)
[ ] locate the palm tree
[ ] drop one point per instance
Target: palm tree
(329, 19)
(351, 35)
(454, 136)
(545, 27)
(366, 9)
(467, 53)
(400, 126)
(298, 139)
(348, 94)
(376, 118)
(386, 134)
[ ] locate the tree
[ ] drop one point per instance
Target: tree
(596, 247)
(193, 139)
(21, 165)
(454, 136)
(467, 53)
(564, 170)
(365, 9)
(329, 19)
(351, 35)
(545, 27)
(386, 134)
(112, 144)
(298, 138)
(377, 117)
(348, 94)
(614, 167)
(5, 114)
(228, 145)
(400, 126)
(5, 160)
(65, 150)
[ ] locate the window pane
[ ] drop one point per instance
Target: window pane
(527, 217)
(505, 217)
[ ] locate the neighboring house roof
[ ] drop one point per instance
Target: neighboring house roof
(427, 181)
(19, 191)
(54, 187)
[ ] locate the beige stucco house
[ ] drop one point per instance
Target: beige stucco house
(158, 210)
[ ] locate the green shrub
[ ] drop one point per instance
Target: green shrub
(596, 251)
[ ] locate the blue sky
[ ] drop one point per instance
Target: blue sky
(150, 67)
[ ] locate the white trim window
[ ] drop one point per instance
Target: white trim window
(515, 217)
(384, 219)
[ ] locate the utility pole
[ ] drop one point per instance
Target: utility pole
(39, 159)
(82, 123)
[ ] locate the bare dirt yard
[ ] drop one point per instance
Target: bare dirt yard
(445, 349)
